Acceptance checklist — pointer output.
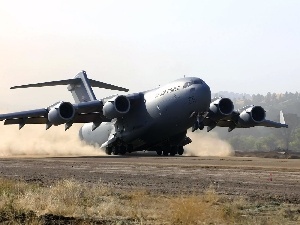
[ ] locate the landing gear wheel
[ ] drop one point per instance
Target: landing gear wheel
(158, 152)
(173, 151)
(130, 148)
(180, 150)
(115, 150)
(108, 150)
(122, 149)
(165, 152)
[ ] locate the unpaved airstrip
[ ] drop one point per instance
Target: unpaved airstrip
(250, 177)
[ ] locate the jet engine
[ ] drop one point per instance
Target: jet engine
(116, 107)
(220, 108)
(252, 116)
(60, 113)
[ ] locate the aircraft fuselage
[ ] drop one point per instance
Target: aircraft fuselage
(155, 120)
(160, 113)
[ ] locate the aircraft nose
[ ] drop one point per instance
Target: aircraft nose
(205, 96)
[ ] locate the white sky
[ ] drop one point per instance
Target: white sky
(240, 46)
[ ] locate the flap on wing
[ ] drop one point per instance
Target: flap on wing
(269, 123)
(220, 123)
(24, 114)
(80, 118)
(225, 123)
(38, 120)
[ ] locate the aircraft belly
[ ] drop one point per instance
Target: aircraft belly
(151, 121)
(164, 119)
(159, 132)
(173, 114)
(168, 125)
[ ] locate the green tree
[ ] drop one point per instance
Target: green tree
(295, 142)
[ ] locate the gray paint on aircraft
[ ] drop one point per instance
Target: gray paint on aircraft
(150, 120)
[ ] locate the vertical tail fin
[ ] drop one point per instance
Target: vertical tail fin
(81, 88)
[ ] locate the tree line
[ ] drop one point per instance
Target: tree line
(262, 138)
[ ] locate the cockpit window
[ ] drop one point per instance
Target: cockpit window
(198, 81)
(187, 84)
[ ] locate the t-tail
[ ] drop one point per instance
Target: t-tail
(80, 87)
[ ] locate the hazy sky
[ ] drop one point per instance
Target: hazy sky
(240, 46)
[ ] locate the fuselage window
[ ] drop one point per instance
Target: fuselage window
(187, 84)
(170, 90)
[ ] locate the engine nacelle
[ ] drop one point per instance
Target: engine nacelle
(220, 108)
(252, 116)
(61, 113)
(116, 107)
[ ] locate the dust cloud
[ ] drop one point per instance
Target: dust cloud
(34, 140)
(207, 144)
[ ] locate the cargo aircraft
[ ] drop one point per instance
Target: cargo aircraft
(154, 120)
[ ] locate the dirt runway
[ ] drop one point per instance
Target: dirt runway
(254, 178)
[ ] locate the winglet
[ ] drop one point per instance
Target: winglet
(282, 120)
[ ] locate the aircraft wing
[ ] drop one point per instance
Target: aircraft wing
(87, 108)
(269, 123)
(24, 114)
(58, 113)
(221, 114)
(232, 123)
(36, 116)
(96, 111)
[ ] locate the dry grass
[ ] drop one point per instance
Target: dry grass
(83, 203)
(204, 209)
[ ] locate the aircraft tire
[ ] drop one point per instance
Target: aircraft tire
(165, 153)
(122, 150)
(115, 150)
(130, 148)
(173, 150)
(180, 150)
(108, 150)
(159, 152)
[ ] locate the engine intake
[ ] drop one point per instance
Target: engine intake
(220, 108)
(252, 115)
(258, 114)
(116, 107)
(61, 113)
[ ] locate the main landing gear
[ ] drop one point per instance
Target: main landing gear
(118, 149)
(165, 150)
(172, 150)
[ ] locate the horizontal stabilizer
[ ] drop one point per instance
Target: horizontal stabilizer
(51, 83)
(80, 87)
(99, 84)
(73, 81)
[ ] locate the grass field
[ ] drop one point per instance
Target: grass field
(74, 202)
